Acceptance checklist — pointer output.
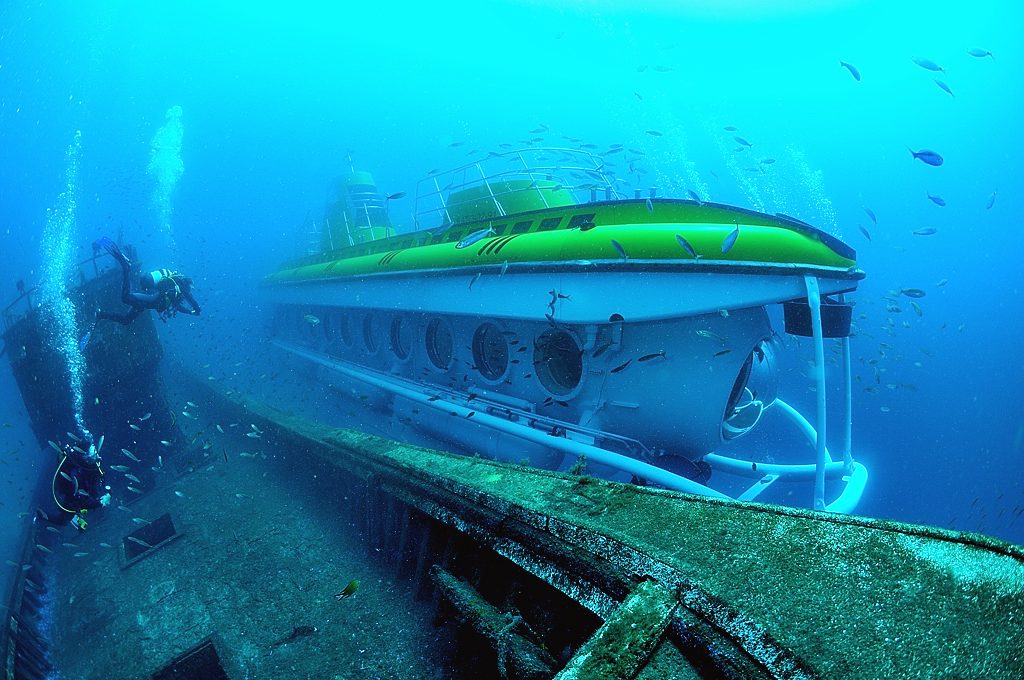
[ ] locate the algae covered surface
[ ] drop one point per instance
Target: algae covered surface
(849, 596)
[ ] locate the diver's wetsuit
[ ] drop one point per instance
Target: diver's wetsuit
(168, 299)
(82, 488)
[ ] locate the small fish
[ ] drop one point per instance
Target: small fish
(44, 548)
(979, 53)
(246, 454)
(504, 268)
(941, 282)
(944, 87)
(650, 205)
(926, 231)
(685, 245)
(619, 249)
(106, 545)
(119, 468)
(243, 496)
(730, 128)
(455, 144)
(189, 415)
(139, 541)
(742, 142)
(912, 292)
(139, 520)
(928, 64)
(130, 455)
(927, 156)
(133, 478)
(694, 196)
(851, 68)
(73, 436)
(312, 319)
(648, 357)
(710, 334)
(767, 161)
(474, 237)
(81, 554)
(722, 352)
(871, 214)
(991, 201)
(135, 427)
(917, 308)
(395, 196)
(252, 435)
(654, 133)
(145, 417)
(864, 231)
(349, 590)
(220, 429)
(66, 476)
(476, 277)
(937, 200)
(165, 442)
(179, 494)
(621, 367)
(133, 490)
(730, 240)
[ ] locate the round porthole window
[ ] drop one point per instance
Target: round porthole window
(371, 333)
(490, 351)
(401, 337)
(439, 343)
(559, 361)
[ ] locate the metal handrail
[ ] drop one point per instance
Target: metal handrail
(572, 169)
(12, 317)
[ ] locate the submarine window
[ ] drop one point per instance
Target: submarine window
(371, 332)
(490, 351)
(580, 221)
(521, 227)
(559, 361)
(344, 330)
(550, 224)
(401, 337)
(439, 343)
(499, 229)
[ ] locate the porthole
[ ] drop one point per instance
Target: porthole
(371, 332)
(401, 337)
(490, 351)
(439, 343)
(559, 361)
(345, 328)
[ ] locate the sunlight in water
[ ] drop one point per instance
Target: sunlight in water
(60, 239)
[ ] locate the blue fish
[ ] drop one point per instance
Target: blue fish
(864, 231)
(927, 156)
(694, 196)
(852, 69)
(991, 201)
(685, 245)
(928, 64)
(730, 240)
(474, 237)
(944, 87)
(937, 200)
(742, 142)
(619, 249)
(650, 205)
(980, 53)
(871, 214)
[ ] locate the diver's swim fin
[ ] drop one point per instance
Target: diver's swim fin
(108, 245)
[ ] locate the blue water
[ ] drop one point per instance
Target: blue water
(272, 102)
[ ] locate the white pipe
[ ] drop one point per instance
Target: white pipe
(566, 446)
(814, 301)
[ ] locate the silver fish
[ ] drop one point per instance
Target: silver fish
(619, 249)
(851, 68)
(685, 245)
(119, 468)
(927, 64)
(130, 455)
(694, 196)
(474, 237)
(991, 201)
(730, 240)
(139, 541)
(145, 417)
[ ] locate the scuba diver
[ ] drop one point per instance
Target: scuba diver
(163, 290)
(77, 484)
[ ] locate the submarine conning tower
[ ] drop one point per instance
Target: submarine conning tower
(359, 215)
